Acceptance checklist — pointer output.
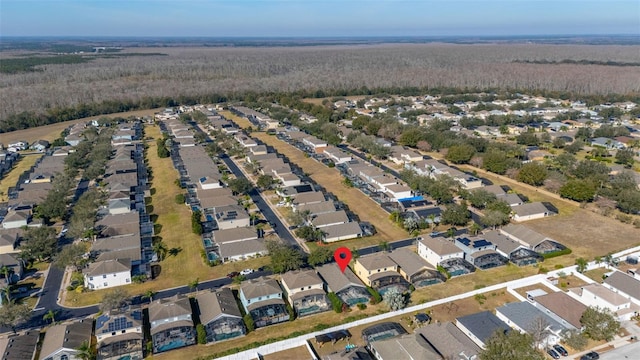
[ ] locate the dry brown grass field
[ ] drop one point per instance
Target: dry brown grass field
(331, 180)
(299, 353)
(223, 70)
(25, 162)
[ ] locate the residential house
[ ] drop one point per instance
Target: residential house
(403, 347)
(171, 324)
(337, 155)
(262, 299)
(220, 314)
(479, 327)
(242, 250)
(9, 240)
(344, 284)
(308, 198)
(401, 155)
(625, 285)
(415, 269)
(597, 295)
(14, 265)
(316, 144)
(526, 318)
(516, 252)
(62, 341)
(607, 143)
(318, 208)
(531, 239)
(305, 291)
(40, 145)
(258, 150)
(16, 219)
(287, 179)
(437, 250)
(20, 346)
(231, 216)
(398, 191)
(480, 252)
(450, 341)
(119, 335)
(107, 274)
(234, 235)
(380, 272)
(562, 307)
(339, 232)
(245, 140)
(531, 211)
(330, 218)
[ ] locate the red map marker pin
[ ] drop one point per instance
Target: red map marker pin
(342, 256)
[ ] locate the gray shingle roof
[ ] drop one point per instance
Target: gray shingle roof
(68, 336)
(300, 278)
(376, 261)
(168, 308)
(213, 304)
(483, 324)
(625, 283)
(440, 245)
(260, 287)
(108, 267)
(410, 262)
(337, 280)
(524, 314)
(449, 341)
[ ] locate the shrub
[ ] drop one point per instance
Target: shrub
(362, 306)
(550, 255)
(201, 333)
(179, 199)
(375, 296)
(248, 323)
(336, 302)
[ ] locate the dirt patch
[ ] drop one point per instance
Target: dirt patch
(298, 353)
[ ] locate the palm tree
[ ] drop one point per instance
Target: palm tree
(610, 261)
(5, 294)
(84, 351)
(149, 294)
(50, 315)
(432, 220)
(581, 265)
(7, 272)
(161, 249)
(475, 228)
(194, 285)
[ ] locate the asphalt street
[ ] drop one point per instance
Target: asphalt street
(265, 209)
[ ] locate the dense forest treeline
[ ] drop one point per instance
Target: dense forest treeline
(579, 62)
(29, 119)
(31, 63)
(193, 72)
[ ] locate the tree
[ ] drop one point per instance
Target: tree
(264, 181)
(411, 224)
(72, 255)
(629, 201)
(494, 218)
(574, 147)
(85, 351)
(578, 190)
(162, 149)
(479, 198)
(7, 272)
(599, 323)
(248, 322)
(201, 334)
(51, 316)
(319, 256)
(475, 228)
(160, 248)
(240, 185)
(495, 161)
(13, 315)
(440, 191)
(193, 285)
(196, 222)
(114, 299)
(539, 330)
(394, 299)
(533, 173)
(581, 265)
(460, 154)
(456, 214)
(283, 257)
(149, 294)
(576, 339)
(625, 157)
(40, 243)
(511, 345)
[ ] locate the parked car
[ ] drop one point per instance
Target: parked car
(233, 274)
(590, 356)
(246, 271)
(553, 354)
(560, 350)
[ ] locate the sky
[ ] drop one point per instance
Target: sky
(311, 18)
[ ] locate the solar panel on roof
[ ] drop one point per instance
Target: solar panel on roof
(464, 241)
(481, 243)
